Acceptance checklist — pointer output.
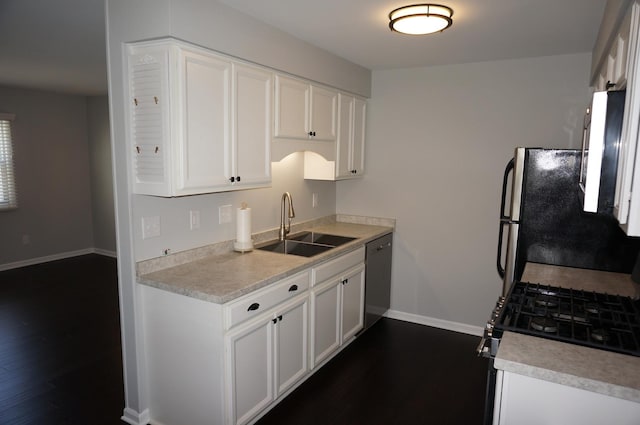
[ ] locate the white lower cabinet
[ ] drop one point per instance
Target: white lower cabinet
(211, 364)
(265, 357)
(529, 401)
(325, 322)
(337, 304)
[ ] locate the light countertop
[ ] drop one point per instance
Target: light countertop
(586, 280)
(224, 276)
(600, 371)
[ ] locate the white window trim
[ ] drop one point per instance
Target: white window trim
(8, 191)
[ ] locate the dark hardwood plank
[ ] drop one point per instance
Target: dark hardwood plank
(60, 351)
(394, 373)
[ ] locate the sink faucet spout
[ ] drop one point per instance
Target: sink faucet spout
(284, 231)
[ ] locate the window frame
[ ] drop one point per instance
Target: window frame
(7, 165)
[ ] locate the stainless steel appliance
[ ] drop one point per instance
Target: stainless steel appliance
(600, 150)
(377, 279)
(545, 223)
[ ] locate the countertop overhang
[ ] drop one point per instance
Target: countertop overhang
(220, 278)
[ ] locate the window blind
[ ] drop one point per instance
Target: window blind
(8, 193)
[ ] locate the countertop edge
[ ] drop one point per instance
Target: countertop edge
(518, 354)
(298, 264)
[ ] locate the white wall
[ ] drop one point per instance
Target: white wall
(265, 210)
(437, 142)
(100, 168)
(63, 174)
(51, 160)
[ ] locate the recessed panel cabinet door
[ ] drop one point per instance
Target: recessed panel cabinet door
(352, 303)
(249, 370)
(204, 156)
(291, 345)
(292, 109)
(323, 113)
(345, 135)
(359, 125)
(252, 125)
(325, 313)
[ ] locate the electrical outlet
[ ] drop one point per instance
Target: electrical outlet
(314, 200)
(194, 219)
(150, 227)
(224, 214)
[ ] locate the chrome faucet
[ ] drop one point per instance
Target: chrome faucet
(291, 213)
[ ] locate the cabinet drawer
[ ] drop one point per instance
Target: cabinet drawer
(256, 303)
(337, 266)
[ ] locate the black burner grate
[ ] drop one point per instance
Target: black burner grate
(604, 321)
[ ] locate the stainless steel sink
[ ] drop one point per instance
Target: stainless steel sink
(321, 238)
(305, 244)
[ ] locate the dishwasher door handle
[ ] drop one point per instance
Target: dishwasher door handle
(383, 246)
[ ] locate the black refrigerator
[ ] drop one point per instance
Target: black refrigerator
(542, 220)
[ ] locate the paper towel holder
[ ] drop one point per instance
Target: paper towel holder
(243, 246)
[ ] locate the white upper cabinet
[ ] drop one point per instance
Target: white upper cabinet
(613, 72)
(626, 203)
(304, 111)
(349, 154)
(203, 144)
(198, 122)
(252, 120)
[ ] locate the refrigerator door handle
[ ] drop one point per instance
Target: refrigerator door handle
(504, 219)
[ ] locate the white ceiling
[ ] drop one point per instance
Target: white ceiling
(60, 44)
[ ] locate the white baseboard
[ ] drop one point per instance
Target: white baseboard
(132, 417)
(54, 257)
(436, 323)
(104, 252)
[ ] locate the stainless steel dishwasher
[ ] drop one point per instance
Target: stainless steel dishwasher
(377, 279)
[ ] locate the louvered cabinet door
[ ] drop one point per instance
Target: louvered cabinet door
(149, 120)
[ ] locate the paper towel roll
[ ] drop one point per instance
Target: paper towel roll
(243, 229)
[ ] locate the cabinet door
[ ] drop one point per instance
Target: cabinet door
(292, 108)
(249, 366)
(252, 126)
(149, 119)
(291, 344)
(323, 113)
(627, 202)
(203, 154)
(325, 316)
(345, 135)
(352, 303)
(359, 124)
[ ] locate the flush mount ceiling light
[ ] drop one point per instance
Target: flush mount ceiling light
(419, 19)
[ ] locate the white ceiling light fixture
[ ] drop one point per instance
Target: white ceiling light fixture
(420, 19)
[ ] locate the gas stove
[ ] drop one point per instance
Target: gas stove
(596, 320)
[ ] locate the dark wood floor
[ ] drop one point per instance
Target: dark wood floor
(394, 373)
(60, 361)
(60, 355)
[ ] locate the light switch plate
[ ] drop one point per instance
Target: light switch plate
(150, 227)
(224, 214)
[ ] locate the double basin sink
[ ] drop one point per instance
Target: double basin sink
(306, 244)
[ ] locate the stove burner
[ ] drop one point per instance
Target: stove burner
(547, 301)
(592, 308)
(600, 335)
(544, 324)
(547, 291)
